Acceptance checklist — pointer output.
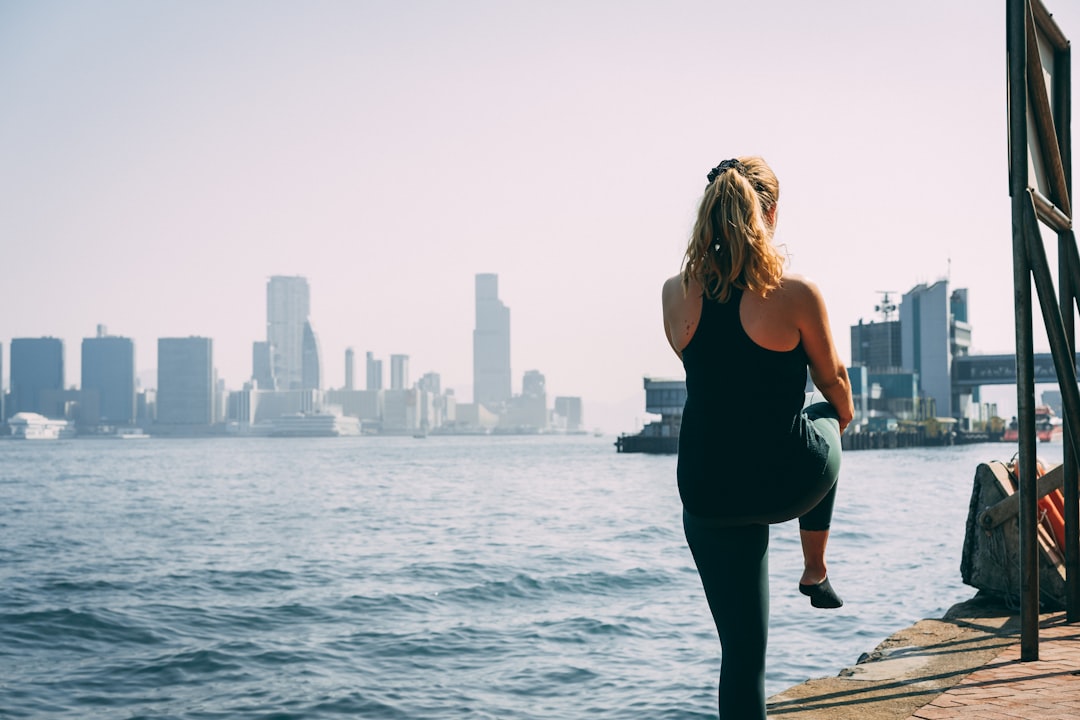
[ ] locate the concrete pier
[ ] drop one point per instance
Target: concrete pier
(964, 665)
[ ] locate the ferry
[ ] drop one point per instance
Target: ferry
(106, 432)
(314, 425)
(1048, 426)
(32, 426)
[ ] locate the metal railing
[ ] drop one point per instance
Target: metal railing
(1039, 124)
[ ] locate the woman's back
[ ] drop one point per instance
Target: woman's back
(742, 414)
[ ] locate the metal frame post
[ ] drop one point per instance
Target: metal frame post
(1049, 112)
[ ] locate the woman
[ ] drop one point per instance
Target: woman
(750, 454)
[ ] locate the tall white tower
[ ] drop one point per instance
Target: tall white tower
(491, 344)
(288, 304)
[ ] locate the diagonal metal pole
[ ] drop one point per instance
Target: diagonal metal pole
(1069, 271)
(1060, 344)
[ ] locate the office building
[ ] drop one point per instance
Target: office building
(430, 382)
(931, 336)
(491, 344)
(311, 364)
(374, 373)
(185, 390)
(401, 410)
(877, 345)
(399, 372)
(367, 405)
(569, 412)
(350, 368)
(530, 408)
(288, 305)
(37, 377)
(262, 365)
(108, 380)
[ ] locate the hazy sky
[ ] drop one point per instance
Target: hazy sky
(160, 160)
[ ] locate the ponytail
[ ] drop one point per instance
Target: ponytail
(731, 244)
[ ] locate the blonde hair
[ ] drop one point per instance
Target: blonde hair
(732, 240)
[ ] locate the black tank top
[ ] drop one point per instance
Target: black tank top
(743, 413)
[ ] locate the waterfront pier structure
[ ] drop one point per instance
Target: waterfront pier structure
(666, 398)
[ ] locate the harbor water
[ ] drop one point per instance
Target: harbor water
(446, 577)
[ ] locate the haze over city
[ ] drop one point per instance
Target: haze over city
(163, 160)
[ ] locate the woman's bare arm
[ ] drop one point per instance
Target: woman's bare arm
(681, 313)
(826, 369)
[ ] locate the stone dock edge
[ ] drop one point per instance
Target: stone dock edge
(908, 669)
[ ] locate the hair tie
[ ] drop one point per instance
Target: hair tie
(725, 166)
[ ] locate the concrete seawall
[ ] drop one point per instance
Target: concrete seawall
(914, 667)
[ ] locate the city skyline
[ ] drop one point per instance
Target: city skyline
(163, 162)
(189, 391)
(486, 301)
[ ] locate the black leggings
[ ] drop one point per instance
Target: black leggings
(733, 562)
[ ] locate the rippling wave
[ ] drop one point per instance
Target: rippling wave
(509, 578)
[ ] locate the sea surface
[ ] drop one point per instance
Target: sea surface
(446, 577)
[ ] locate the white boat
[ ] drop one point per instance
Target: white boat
(114, 433)
(32, 426)
(314, 425)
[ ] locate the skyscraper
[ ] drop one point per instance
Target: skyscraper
(532, 406)
(931, 336)
(491, 344)
(374, 372)
(185, 391)
(108, 377)
(399, 372)
(569, 408)
(287, 307)
(37, 366)
(350, 368)
(311, 364)
(262, 365)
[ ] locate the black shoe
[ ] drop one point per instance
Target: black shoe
(821, 595)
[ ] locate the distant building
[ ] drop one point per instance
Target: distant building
(265, 405)
(311, 368)
(146, 407)
(367, 405)
(569, 412)
(931, 337)
(474, 417)
(108, 380)
(374, 373)
(350, 368)
(288, 304)
(529, 410)
(491, 344)
(436, 408)
(908, 363)
(262, 365)
(399, 372)
(401, 410)
(37, 376)
(185, 391)
(430, 382)
(877, 345)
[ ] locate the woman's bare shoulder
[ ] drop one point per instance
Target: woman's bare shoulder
(675, 292)
(799, 286)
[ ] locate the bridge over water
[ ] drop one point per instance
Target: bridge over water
(971, 371)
